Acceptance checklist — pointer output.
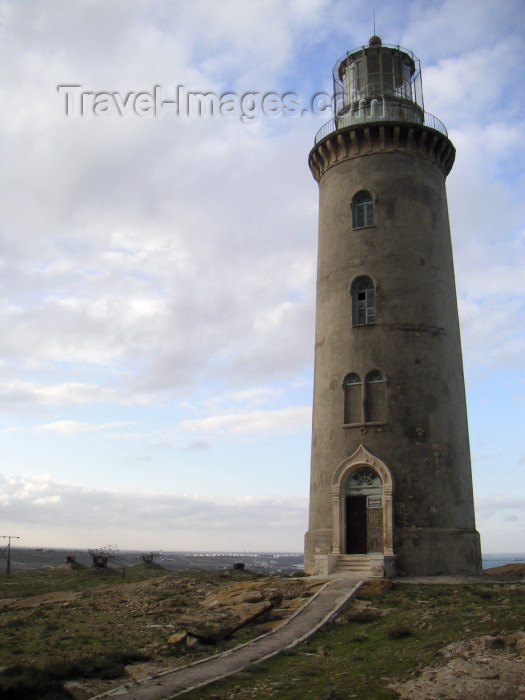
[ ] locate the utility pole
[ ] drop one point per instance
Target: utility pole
(5, 552)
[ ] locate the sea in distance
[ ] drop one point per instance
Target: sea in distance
(261, 562)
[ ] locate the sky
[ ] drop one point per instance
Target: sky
(157, 269)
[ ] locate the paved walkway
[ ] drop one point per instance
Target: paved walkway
(319, 610)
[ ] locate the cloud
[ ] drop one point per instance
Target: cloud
(459, 84)
(500, 522)
(260, 423)
(73, 427)
(20, 392)
(198, 446)
(167, 302)
(477, 27)
(488, 506)
(144, 518)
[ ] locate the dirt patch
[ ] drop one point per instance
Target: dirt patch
(485, 667)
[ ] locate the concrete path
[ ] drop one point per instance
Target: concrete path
(320, 609)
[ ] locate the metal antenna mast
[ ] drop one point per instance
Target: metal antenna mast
(5, 552)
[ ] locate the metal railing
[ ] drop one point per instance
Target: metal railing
(391, 113)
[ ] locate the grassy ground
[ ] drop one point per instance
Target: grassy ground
(395, 637)
(81, 623)
(70, 631)
(32, 582)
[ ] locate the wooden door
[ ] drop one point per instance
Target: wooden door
(374, 530)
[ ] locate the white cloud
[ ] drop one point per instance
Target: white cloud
(501, 522)
(435, 29)
(466, 88)
(85, 517)
(16, 392)
(73, 427)
(260, 423)
(488, 506)
(69, 427)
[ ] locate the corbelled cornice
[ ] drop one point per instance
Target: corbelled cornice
(366, 139)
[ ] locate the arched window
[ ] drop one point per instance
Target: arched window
(375, 397)
(364, 480)
(353, 401)
(362, 209)
(364, 302)
(364, 403)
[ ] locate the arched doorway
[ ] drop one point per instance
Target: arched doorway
(363, 512)
(352, 480)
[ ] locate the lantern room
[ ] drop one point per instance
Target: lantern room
(378, 83)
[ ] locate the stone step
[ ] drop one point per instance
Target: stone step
(354, 557)
(353, 563)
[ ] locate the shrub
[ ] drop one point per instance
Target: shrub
(20, 682)
(27, 683)
(399, 632)
(363, 618)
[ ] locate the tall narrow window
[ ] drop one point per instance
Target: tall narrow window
(353, 407)
(362, 209)
(364, 302)
(375, 408)
(364, 403)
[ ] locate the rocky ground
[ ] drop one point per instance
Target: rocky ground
(163, 618)
(485, 667)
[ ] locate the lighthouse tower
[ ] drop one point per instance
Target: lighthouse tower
(391, 485)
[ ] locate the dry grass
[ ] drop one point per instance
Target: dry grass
(98, 624)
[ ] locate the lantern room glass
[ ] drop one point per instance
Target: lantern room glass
(388, 75)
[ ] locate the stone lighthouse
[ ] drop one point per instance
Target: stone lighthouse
(391, 484)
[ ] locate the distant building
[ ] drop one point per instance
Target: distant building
(391, 485)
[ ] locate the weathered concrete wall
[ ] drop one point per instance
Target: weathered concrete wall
(415, 342)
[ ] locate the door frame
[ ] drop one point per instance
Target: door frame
(360, 458)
